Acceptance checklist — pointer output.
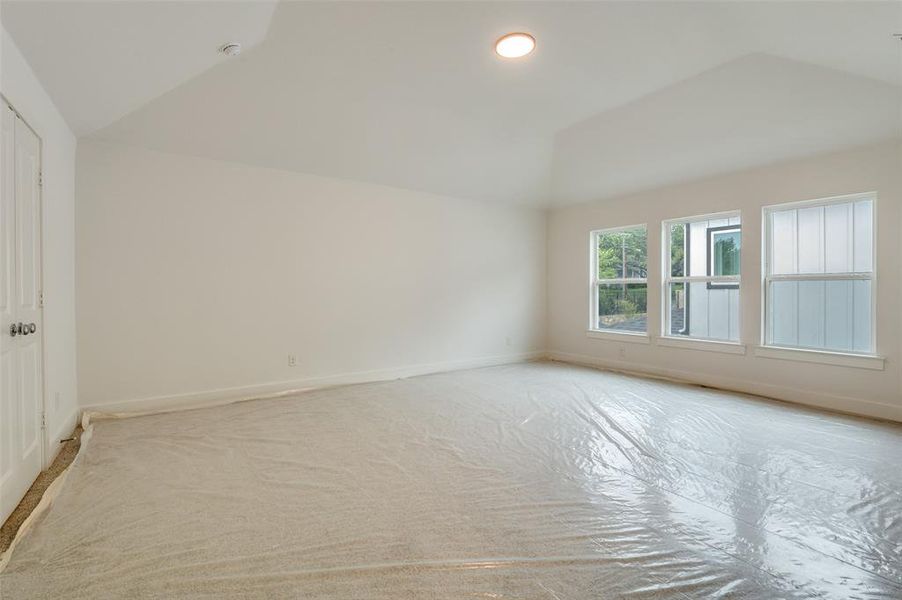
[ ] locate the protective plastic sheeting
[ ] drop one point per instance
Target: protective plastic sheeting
(528, 481)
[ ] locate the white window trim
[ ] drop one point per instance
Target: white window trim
(703, 344)
(693, 343)
(866, 360)
(841, 359)
(592, 330)
(632, 337)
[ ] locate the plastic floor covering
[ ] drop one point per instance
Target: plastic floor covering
(529, 481)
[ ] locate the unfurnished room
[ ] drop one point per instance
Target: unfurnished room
(440, 300)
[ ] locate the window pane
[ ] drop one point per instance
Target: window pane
(811, 314)
(622, 254)
(697, 245)
(623, 307)
(820, 314)
(810, 240)
(707, 247)
(783, 318)
(679, 309)
(864, 236)
(834, 238)
(838, 310)
(838, 232)
(678, 250)
(725, 245)
(783, 240)
(862, 313)
(699, 310)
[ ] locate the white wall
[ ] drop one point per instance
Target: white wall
(24, 92)
(873, 168)
(197, 275)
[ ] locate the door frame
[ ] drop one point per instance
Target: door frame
(46, 456)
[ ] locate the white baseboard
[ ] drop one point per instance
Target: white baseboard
(843, 404)
(285, 388)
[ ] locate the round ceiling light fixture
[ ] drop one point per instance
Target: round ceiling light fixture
(231, 49)
(515, 45)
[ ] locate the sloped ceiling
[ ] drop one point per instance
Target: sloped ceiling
(102, 60)
(754, 110)
(617, 97)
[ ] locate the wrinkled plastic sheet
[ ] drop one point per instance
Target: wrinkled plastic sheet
(529, 481)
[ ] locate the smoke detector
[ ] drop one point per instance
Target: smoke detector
(231, 49)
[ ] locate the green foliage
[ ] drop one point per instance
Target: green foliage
(677, 250)
(614, 300)
(626, 307)
(614, 247)
(622, 254)
(608, 262)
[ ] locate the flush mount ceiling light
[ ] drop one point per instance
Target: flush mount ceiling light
(231, 49)
(515, 45)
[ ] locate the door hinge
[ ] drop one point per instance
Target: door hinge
(43, 420)
(41, 299)
(41, 179)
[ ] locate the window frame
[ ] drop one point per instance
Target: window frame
(712, 281)
(594, 281)
(809, 354)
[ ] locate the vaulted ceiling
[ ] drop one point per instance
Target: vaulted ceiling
(617, 97)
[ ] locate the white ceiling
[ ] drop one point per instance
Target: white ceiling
(617, 97)
(101, 60)
(754, 110)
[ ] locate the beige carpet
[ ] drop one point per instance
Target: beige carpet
(527, 481)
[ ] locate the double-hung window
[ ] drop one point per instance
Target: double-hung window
(619, 282)
(819, 275)
(702, 276)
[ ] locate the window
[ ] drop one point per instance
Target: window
(702, 274)
(819, 275)
(619, 280)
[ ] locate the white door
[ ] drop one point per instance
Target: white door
(21, 404)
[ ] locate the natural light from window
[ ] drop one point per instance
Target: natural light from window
(702, 277)
(619, 281)
(819, 275)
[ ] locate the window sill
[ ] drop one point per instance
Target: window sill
(841, 359)
(703, 345)
(619, 336)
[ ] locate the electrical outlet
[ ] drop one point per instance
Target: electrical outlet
(292, 360)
